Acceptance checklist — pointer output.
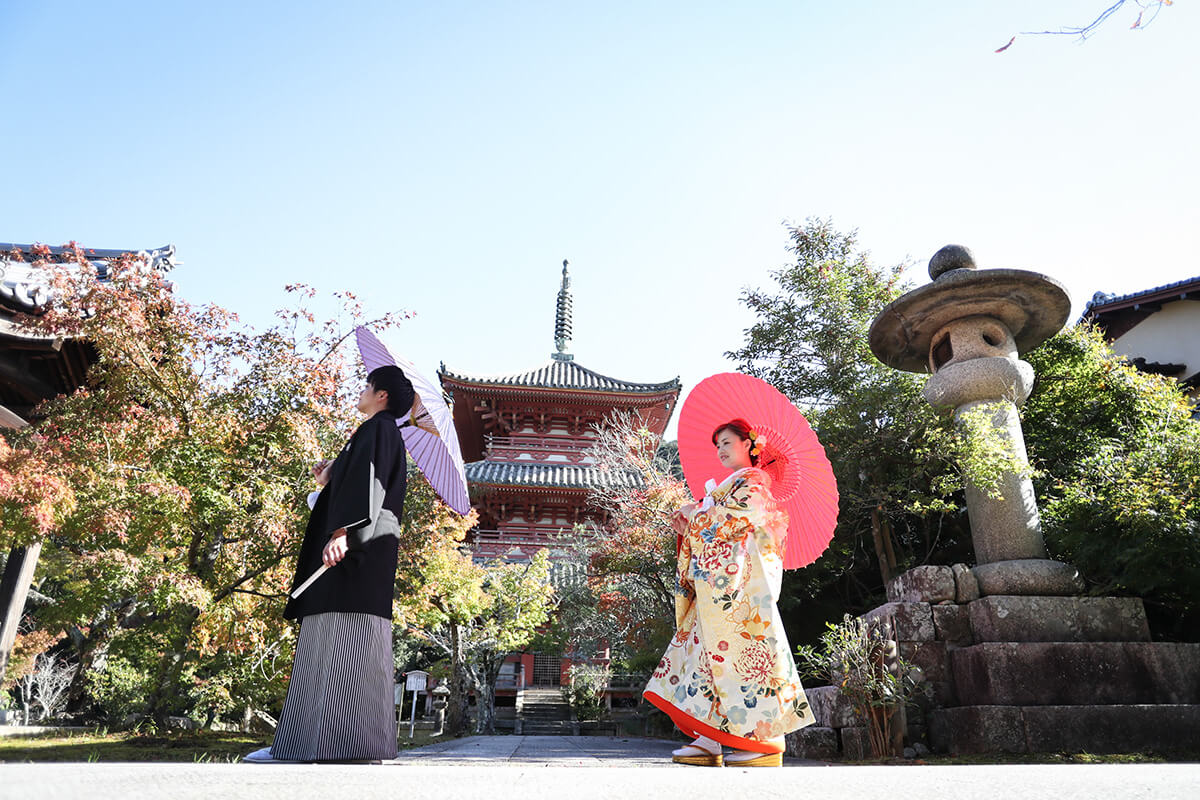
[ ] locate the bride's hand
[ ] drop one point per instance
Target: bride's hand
(681, 518)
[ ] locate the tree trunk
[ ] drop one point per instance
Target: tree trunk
(485, 703)
(14, 588)
(457, 713)
(885, 566)
(91, 649)
(166, 682)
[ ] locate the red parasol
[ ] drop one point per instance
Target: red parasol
(802, 479)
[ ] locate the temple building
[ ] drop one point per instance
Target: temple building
(1157, 329)
(525, 439)
(34, 368)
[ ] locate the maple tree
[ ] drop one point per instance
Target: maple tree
(627, 602)
(474, 614)
(169, 491)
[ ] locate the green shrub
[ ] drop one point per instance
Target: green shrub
(585, 691)
(120, 689)
(861, 659)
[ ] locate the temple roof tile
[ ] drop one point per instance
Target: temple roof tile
(562, 375)
(24, 286)
(567, 476)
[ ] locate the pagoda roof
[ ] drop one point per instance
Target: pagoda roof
(562, 374)
(557, 476)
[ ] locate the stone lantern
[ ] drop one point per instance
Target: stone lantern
(441, 694)
(968, 327)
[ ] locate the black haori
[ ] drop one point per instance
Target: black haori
(339, 704)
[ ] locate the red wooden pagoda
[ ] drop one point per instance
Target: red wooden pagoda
(525, 438)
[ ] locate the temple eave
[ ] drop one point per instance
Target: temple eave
(659, 391)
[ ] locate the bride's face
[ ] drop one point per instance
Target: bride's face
(733, 450)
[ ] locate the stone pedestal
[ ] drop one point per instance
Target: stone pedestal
(1058, 619)
(1032, 576)
(1027, 673)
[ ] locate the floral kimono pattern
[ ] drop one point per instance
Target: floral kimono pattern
(728, 672)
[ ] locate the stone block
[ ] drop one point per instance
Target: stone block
(831, 708)
(940, 694)
(813, 742)
(1076, 673)
(929, 657)
(977, 729)
(1016, 618)
(924, 584)
(1071, 729)
(914, 621)
(856, 744)
(966, 585)
(1112, 729)
(1037, 576)
(952, 625)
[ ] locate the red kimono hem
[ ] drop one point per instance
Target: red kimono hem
(694, 727)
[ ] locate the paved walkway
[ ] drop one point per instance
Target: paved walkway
(544, 751)
(517, 767)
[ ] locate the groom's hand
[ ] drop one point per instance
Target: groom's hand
(335, 549)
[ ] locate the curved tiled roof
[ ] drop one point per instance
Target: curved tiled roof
(1178, 290)
(564, 476)
(561, 374)
(24, 287)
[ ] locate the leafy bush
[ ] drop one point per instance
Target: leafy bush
(585, 691)
(119, 688)
(1117, 454)
(861, 659)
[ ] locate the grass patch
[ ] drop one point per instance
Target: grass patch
(175, 746)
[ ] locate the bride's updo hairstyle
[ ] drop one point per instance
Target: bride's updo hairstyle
(742, 429)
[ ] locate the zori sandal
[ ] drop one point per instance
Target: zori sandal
(696, 757)
(747, 758)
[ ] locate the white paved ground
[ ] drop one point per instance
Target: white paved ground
(583, 768)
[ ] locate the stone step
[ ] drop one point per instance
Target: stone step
(1071, 729)
(1020, 618)
(1076, 673)
(544, 729)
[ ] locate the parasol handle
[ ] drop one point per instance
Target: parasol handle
(311, 580)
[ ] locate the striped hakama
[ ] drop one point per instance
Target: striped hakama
(339, 702)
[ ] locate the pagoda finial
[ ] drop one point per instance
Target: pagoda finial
(562, 319)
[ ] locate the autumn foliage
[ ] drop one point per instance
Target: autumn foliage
(169, 491)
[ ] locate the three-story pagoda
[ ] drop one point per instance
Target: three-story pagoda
(525, 439)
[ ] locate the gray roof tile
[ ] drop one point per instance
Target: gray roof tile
(561, 374)
(568, 476)
(25, 287)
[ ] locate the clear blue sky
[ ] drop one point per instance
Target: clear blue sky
(445, 157)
